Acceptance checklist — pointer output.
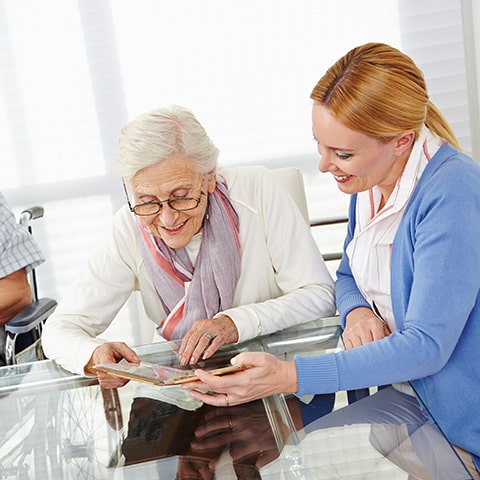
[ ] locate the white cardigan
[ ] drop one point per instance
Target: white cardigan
(284, 280)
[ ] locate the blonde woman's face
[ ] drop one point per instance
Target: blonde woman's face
(173, 178)
(357, 161)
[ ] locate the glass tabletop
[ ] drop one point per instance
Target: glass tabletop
(56, 425)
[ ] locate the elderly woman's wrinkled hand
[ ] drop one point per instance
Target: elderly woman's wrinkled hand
(205, 338)
(110, 352)
(263, 375)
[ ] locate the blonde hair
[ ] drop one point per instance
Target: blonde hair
(379, 91)
(153, 136)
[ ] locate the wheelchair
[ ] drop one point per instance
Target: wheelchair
(23, 332)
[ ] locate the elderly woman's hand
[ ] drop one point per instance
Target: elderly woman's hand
(205, 338)
(110, 352)
(264, 375)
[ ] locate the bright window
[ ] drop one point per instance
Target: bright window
(73, 72)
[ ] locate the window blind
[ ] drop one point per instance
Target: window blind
(73, 72)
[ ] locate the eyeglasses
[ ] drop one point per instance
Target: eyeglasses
(152, 208)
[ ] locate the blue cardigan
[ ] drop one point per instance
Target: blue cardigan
(435, 289)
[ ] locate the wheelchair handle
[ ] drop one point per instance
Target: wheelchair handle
(31, 213)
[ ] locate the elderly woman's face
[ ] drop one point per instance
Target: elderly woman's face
(173, 178)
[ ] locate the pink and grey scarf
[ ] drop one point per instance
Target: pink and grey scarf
(192, 292)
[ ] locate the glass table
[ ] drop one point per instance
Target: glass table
(57, 425)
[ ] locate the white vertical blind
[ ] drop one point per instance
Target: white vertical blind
(434, 38)
(72, 72)
(471, 36)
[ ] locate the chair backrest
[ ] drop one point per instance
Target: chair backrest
(292, 178)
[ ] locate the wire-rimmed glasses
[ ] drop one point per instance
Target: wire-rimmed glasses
(152, 208)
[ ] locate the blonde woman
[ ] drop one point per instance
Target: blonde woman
(408, 288)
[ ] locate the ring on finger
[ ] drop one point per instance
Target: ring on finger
(208, 335)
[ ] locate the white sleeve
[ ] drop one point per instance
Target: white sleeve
(91, 303)
(297, 271)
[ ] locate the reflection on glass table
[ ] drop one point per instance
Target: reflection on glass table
(56, 425)
(382, 436)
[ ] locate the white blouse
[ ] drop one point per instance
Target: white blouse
(370, 249)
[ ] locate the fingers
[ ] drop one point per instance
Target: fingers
(247, 360)
(215, 399)
(127, 353)
(205, 338)
(264, 375)
(207, 389)
(190, 467)
(366, 328)
(218, 425)
(353, 339)
(196, 345)
(213, 436)
(111, 352)
(363, 326)
(109, 381)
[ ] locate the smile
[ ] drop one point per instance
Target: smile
(175, 228)
(342, 178)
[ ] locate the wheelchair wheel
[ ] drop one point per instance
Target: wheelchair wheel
(81, 441)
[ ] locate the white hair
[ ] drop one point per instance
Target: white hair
(153, 136)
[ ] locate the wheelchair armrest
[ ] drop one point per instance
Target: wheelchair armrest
(31, 316)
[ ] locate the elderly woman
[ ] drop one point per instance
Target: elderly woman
(219, 256)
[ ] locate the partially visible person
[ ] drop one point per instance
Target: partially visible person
(219, 256)
(19, 254)
(408, 288)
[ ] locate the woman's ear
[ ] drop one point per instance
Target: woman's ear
(404, 142)
(212, 182)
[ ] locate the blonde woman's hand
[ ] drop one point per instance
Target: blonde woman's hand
(363, 326)
(263, 375)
